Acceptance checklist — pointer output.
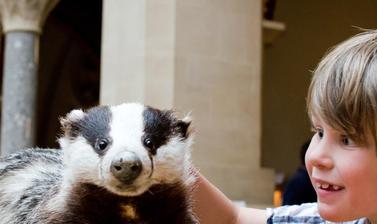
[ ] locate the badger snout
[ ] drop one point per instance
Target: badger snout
(126, 167)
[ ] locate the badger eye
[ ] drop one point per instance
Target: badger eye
(102, 144)
(148, 143)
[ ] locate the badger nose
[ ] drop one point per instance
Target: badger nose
(126, 167)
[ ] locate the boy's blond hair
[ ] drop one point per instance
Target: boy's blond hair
(343, 91)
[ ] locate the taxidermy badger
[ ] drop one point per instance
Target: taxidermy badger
(120, 164)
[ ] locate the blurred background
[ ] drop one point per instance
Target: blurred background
(240, 67)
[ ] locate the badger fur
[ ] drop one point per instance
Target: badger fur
(117, 164)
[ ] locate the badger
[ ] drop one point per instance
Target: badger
(126, 164)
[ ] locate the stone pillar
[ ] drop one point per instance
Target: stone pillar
(21, 21)
(218, 78)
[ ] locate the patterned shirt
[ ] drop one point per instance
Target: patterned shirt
(305, 213)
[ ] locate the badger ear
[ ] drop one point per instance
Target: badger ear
(184, 127)
(69, 123)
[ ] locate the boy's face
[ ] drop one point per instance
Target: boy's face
(343, 173)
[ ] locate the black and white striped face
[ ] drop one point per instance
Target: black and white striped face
(125, 148)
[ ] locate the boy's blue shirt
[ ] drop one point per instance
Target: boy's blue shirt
(305, 213)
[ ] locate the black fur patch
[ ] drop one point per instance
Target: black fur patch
(95, 205)
(160, 126)
(94, 127)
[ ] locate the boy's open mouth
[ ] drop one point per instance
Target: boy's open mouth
(328, 187)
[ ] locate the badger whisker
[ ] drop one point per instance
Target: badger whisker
(152, 165)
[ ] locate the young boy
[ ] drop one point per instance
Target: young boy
(341, 159)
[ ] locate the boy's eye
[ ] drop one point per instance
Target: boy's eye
(319, 132)
(347, 140)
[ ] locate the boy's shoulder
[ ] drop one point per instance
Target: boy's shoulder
(304, 213)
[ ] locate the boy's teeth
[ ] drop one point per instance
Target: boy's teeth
(328, 187)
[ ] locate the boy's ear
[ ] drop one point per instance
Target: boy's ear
(70, 123)
(184, 127)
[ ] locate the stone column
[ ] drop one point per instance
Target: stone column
(21, 21)
(218, 77)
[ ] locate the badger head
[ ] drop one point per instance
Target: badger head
(126, 148)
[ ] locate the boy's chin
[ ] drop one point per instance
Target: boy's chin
(333, 213)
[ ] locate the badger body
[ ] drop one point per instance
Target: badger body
(120, 164)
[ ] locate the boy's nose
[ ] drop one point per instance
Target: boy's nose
(318, 155)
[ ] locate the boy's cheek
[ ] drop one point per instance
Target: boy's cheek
(308, 157)
(309, 169)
